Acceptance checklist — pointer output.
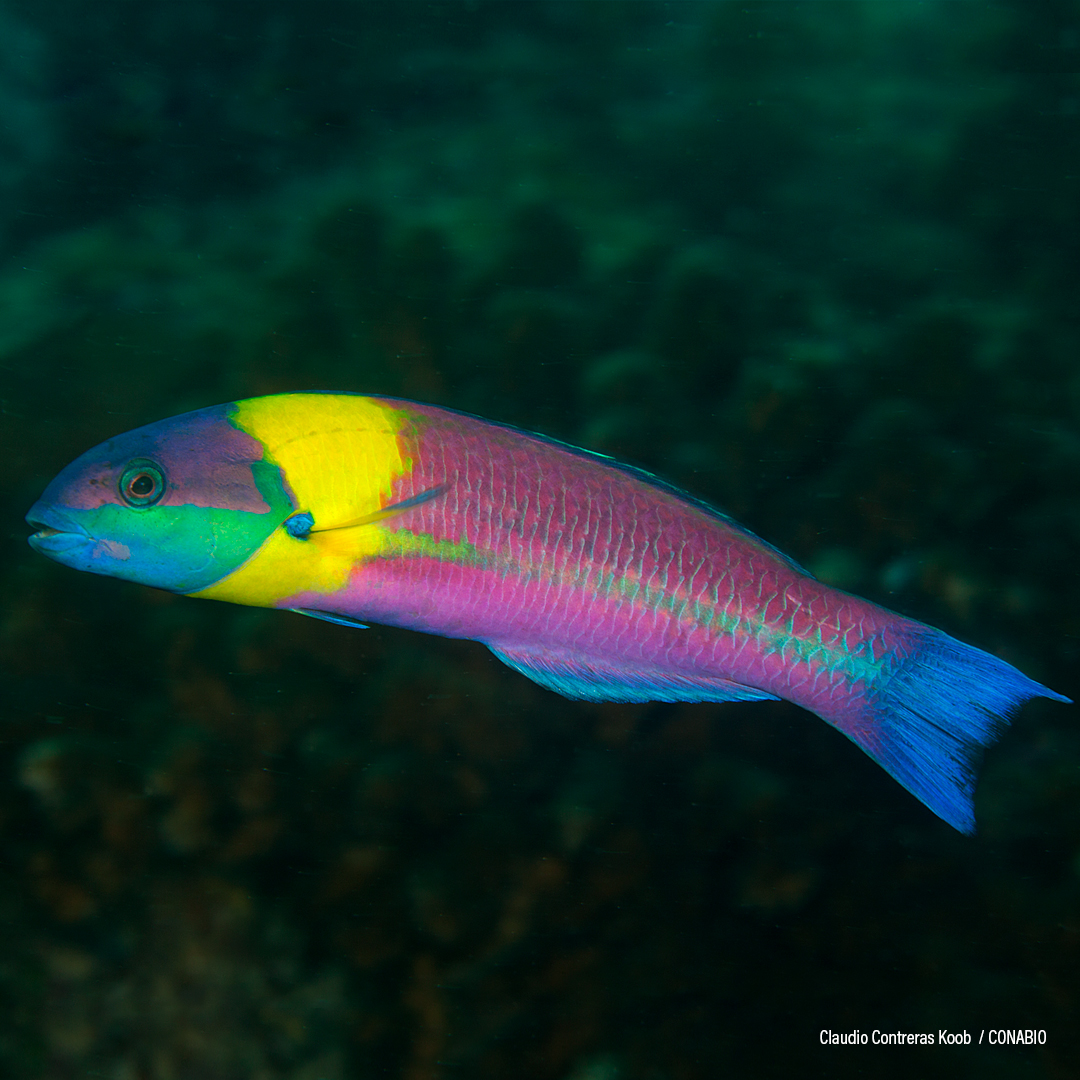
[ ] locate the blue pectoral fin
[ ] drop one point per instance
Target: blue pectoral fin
(393, 510)
(329, 616)
(589, 678)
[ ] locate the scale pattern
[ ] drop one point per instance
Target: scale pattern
(601, 583)
(540, 547)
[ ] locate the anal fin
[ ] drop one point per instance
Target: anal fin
(590, 678)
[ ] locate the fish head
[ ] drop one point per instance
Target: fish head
(177, 505)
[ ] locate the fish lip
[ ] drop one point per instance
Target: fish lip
(54, 531)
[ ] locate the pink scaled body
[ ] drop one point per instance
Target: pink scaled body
(562, 561)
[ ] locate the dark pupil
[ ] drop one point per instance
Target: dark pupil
(141, 485)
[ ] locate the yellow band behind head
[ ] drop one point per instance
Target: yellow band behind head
(339, 455)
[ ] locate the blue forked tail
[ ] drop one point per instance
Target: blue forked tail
(928, 722)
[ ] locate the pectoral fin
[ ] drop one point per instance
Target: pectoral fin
(303, 524)
(387, 511)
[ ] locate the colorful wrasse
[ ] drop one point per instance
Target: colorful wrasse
(593, 579)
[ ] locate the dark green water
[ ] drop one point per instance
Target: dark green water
(817, 262)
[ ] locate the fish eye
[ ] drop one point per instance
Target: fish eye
(142, 484)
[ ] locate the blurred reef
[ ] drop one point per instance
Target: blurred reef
(815, 261)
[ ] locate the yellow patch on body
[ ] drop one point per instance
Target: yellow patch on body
(340, 455)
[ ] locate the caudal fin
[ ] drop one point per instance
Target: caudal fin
(928, 722)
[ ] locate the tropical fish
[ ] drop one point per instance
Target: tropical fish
(594, 579)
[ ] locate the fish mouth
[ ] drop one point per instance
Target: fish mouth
(53, 533)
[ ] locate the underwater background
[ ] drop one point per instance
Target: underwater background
(818, 262)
